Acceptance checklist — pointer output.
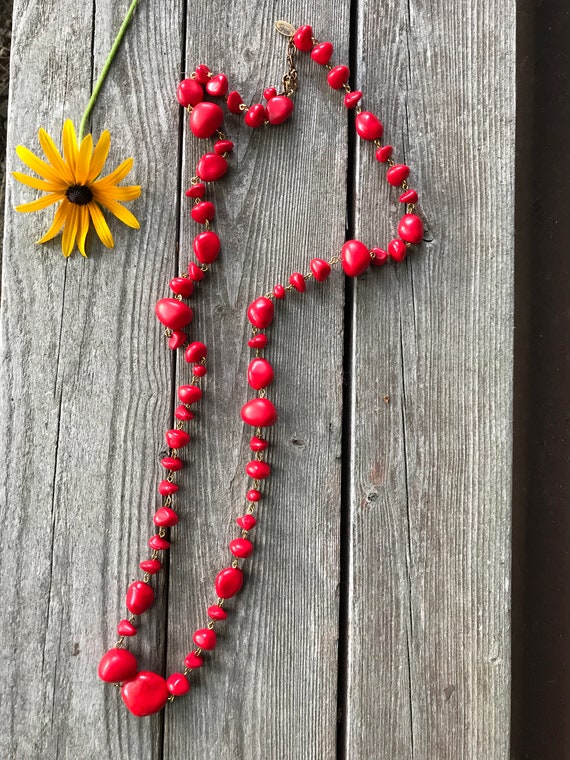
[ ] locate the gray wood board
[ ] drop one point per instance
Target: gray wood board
(87, 385)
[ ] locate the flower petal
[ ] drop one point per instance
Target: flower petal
(84, 160)
(126, 193)
(70, 230)
(58, 221)
(54, 157)
(37, 165)
(69, 140)
(39, 184)
(43, 202)
(101, 226)
(116, 176)
(99, 157)
(82, 228)
(121, 212)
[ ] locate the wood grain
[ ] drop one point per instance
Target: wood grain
(87, 392)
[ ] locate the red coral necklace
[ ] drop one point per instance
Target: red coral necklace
(145, 692)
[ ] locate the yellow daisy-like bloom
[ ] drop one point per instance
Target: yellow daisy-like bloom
(72, 181)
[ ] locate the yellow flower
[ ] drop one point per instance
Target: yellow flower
(71, 180)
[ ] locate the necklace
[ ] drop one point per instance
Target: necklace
(145, 692)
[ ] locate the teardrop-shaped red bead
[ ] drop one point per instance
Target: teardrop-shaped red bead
(355, 258)
(165, 517)
(173, 313)
(259, 412)
(259, 374)
(228, 582)
(258, 470)
(261, 312)
(117, 665)
(241, 547)
(206, 118)
(205, 638)
(140, 596)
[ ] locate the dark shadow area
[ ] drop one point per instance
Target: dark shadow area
(541, 548)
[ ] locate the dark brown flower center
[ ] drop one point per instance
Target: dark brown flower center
(79, 194)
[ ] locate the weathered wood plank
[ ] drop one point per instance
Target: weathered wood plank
(428, 669)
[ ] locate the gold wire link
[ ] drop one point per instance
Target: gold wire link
(146, 577)
(410, 208)
(154, 554)
(171, 698)
(167, 332)
(391, 162)
(404, 185)
(235, 563)
(334, 260)
(244, 533)
(290, 81)
(211, 625)
(261, 393)
(162, 531)
(120, 642)
(220, 602)
(186, 670)
(195, 180)
(168, 501)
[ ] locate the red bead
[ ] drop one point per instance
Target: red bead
(352, 98)
(234, 101)
(279, 109)
(206, 118)
(195, 273)
(303, 38)
(369, 126)
(217, 86)
(383, 153)
(397, 174)
(397, 249)
(177, 339)
(196, 191)
(182, 286)
(193, 660)
(247, 521)
(298, 282)
(355, 258)
(255, 115)
(181, 413)
(189, 93)
(211, 167)
(279, 291)
(140, 597)
(380, 257)
(269, 92)
(223, 146)
(411, 229)
(145, 694)
(126, 628)
(202, 73)
(205, 638)
(206, 247)
(177, 684)
(177, 439)
(189, 394)
(241, 547)
(228, 582)
(258, 470)
(165, 488)
(173, 313)
(259, 412)
(150, 566)
(198, 370)
(117, 665)
(172, 463)
(259, 374)
(165, 517)
(158, 543)
(258, 341)
(320, 269)
(195, 352)
(338, 76)
(261, 312)
(322, 53)
(253, 495)
(410, 196)
(215, 612)
(258, 444)
(203, 212)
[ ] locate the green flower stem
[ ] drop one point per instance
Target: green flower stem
(106, 67)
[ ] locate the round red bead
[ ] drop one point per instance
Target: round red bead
(258, 341)
(158, 543)
(205, 638)
(165, 488)
(172, 463)
(177, 684)
(189, 93)
(369, 126)
(217, 86)
(241, 547)
(322, 53)
(355, 258)
(320, 269)
(177, 339)
(338, 76)
(181, 413)
(193, 660)
(140, 597)
(196, 191)
(203, 73)
(258, 470)
(211, 167)
(410, 196)
(206, 247)
(189, 394)
(397, 249)
(259, 412)
(126, 628)
(195, 352)
(145, 694)
(269, 92)
(198, 370)
(253, 494)
(352, 98)
(177, 439)
(203, 212)
(279, 291)
(117, 665)
(258, 444)
(173, 313)
(261, 312)
(182, 286)
(215, 612)
(279, 109)
(150, 566)
(383, 153)
(397, 174)
(195, 273)
(298, 282)
(259, 374)
(228, 582)
(380, 257)
(255, 115)
(411, 229)
(303, 38)
(234, 101)
(206, 118)
(165, 517)
(247, 521)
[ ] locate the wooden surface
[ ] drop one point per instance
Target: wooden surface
(380, 579)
